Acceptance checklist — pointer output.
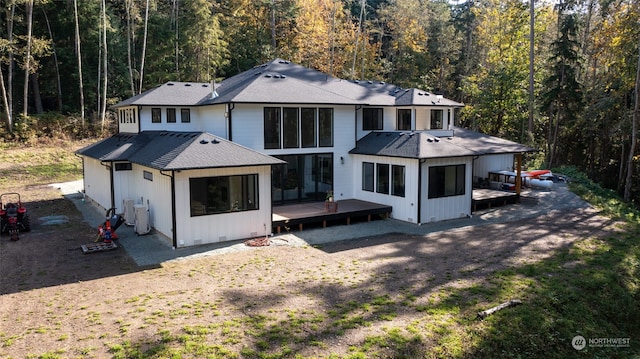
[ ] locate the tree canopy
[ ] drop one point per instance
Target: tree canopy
(474, 51)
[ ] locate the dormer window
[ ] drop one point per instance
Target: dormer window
(403, 120)
(436, 119)
(371, 119)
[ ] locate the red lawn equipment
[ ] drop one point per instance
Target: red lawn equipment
(107, 230)
(13, 216)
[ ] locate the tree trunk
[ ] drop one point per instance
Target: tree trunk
(10, 15)
(634, 128)
(79, 55)
(273, 26)
(55, 61)
(7, 109)
(129, 38)
(104, 63)
(531, 69)
(27, 62)
(35, 87)
(144, 45)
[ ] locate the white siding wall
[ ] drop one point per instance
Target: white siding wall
(207, 119)
(248, 130)
(156, 194)
(492, 163)
(439, 209)
(224, 226)
(404, 208)
(97, 182)
(122, 183)
(129, 121)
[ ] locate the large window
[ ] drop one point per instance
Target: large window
(308, 127)
(371, 119)
(445, 181)
(290, 127)
(325, 120)
(271, 127)
(185, 115)
(302, 178)
(156, 114)
(382, 178)
(403, 119)
(212, 195)
(397, 180)
(367, 176)
(171, 115)
(436, 120)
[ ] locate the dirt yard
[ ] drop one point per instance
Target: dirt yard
(57, 301)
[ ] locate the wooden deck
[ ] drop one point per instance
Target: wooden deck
(492, 197)
(321, 212)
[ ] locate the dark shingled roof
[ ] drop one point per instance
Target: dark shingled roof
(283, 82)
(422, 145)
(165, 150)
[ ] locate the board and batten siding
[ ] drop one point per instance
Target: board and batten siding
(97, 182)
(440, 209)
(224, 226)
(404, 208)
(248, 130)
(155, 194)
(128, 119)
(206, 119)
(122, 183)
(492, 163)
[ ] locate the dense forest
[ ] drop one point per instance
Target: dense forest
(560, 76)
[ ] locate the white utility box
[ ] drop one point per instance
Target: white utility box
(129, 214)
(142, 225)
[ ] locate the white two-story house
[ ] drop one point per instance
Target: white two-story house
(212, 160)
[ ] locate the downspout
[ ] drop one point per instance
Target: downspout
(420, 162)
(230, 108)
(174, 232)
(355, 123)
(113, 189)
(138, 119)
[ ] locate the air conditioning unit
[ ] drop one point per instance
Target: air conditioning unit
(142, 224)
(129, 214)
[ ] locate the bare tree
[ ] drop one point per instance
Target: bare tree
(130, 36)
(144, 45)
(55, 61)
(79, 55)
(9, 91)
(104, 63)
(27, 61)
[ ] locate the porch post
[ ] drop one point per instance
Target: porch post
(518, 173)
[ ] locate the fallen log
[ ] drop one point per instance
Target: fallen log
(485, 313)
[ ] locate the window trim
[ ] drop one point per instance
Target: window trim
(460, 181)
(400, 189)
(399, 118)
(382, 187)
(156, 115)
(249, 184)
(171, 118)
(368, 123)
(183, 118)
(368, 168)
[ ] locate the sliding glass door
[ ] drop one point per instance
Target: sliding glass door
(302, 178)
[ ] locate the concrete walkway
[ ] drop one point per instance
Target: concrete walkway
(153, 249)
